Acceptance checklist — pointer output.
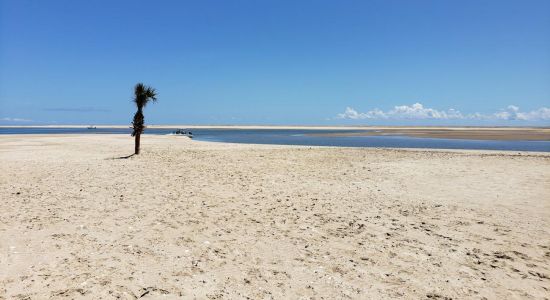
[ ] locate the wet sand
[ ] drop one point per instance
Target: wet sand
(80, 219)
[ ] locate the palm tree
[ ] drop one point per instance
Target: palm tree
(142, 95)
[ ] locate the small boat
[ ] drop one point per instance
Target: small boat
(91, 127)
(183, 132)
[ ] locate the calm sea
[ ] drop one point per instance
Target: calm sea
(300, 137)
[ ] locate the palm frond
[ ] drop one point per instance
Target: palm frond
(151, 93)
(143, 94)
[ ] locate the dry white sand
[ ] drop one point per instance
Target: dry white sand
(201, 220)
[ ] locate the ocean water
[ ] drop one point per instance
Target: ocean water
(301, 137)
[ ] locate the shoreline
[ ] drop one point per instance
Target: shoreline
(521, 153)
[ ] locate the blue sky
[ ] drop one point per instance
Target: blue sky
(276, 62)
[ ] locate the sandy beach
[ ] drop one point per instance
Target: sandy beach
(81, 219)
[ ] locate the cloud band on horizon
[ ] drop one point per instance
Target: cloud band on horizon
(9, 119)
(77, 109)
(417, 111)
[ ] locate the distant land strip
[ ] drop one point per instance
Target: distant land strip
(528, 134)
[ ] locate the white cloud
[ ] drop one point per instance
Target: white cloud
(513, 113)
(352, 114)
(510, 113)
(8, 119)
(417, 111)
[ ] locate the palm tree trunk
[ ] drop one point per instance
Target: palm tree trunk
(138, 128)
(138, 135)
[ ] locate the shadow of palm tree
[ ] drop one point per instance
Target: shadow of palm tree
(123, 157)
